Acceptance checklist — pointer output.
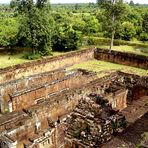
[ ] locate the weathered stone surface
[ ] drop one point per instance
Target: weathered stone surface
(122, 58)
(45, 65)
(92, 122)
(48, 105)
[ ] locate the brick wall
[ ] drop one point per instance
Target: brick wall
(122, 58)
(53, 107)
(39, 87)
(22, 123)
(44, 65)
(29, 97)
(14, 86)
(139, 91)
(118, 99)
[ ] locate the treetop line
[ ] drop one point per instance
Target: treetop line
(44, 27)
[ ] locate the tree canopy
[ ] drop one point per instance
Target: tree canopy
(44, 27)
(34, 29)
(114, 11)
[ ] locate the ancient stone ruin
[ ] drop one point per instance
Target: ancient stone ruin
(43, 105)
(92, 123)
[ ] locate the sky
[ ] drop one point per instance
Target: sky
(78, 1)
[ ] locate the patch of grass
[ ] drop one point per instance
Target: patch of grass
(103, 68)
(9, 60)
(17, 58)
(130, 49)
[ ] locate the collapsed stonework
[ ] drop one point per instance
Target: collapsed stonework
(60, 108)
(43, 124)
(92, 123)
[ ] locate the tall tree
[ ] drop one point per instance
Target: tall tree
(145, 22)
(34, 30)
(131, 3)
(8, 32)
(144, 33)
(65, 37)
(114, 12)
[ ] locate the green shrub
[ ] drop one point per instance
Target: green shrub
(65, 40)
(90, 41)
(32, 56)
(45, 50)
(128, 31)
(144, 36)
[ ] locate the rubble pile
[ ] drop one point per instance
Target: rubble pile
(93, 122)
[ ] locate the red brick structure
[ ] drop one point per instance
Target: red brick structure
(129, 59)
(45, 65)
(36, 108)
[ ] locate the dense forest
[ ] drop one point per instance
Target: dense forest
(44, 27)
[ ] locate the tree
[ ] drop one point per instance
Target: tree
(144, 34)
(65, 37)
(114, 11)
(128, 31)
(131, 3)
(145, 22)
(134, 17)
(8, 32)
(34, 29)
(91, 25)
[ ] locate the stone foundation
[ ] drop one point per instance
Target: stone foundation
(49, 115)
(57, 109)
(9, 88)
(15, 98)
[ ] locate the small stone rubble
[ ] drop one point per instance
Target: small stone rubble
(84, 116)
(93, 122)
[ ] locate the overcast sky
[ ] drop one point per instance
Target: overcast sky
(79, 1)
